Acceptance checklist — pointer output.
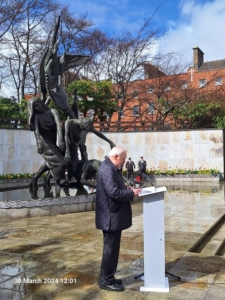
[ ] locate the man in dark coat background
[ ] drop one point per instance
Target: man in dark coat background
(130, 166)
(142, 165)
(113, 214)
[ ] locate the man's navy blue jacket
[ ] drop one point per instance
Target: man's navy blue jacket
(113, 207)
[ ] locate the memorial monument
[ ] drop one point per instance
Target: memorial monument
(59, 143)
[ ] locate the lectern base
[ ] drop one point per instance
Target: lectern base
(153, 289)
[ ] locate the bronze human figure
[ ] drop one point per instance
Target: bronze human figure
(45, 123)
(76, 131)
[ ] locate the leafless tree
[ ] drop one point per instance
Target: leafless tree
(122, 61)
(25, 41)
(78, 37)
(23, 44)
(10, 13)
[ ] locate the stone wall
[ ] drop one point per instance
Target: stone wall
(192, 149)
(18, 152)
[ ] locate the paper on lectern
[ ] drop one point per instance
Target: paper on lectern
(147, 190)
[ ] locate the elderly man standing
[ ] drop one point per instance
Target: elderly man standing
(113, 214)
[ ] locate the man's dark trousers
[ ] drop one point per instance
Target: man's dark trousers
(130, 174)
(110, 256)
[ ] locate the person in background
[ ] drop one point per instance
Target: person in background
(142, 165)
(112, 214)
(130, 166)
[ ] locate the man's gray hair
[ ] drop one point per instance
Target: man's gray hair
(118, 150)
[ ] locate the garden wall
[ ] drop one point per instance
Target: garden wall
(190, 149)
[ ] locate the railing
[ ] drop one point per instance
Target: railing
(10, 123)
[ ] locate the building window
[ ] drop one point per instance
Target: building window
(218, 81)
(151, 88)
(151, 108)
(184, 84)
(202, 83)
(135, 94)
(135, 111)
(167, 88)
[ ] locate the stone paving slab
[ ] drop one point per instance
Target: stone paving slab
(58, 257)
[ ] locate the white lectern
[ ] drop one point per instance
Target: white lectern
(154, 240)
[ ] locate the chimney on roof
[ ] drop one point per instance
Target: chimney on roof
(198, 57)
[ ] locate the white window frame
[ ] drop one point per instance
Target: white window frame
(184, 85)
(218, 81)
(167, 88)
(133, 110)
(202, 83)
(151, 108)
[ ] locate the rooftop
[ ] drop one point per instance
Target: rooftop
(212, 65)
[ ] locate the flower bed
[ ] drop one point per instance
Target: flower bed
(184, 175)
(16, 176)
(174, 172)
(157, 173)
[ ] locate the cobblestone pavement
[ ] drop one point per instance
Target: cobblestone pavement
(58, 257)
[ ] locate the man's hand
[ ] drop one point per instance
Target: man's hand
(136, 191)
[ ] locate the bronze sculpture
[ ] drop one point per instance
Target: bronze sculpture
(48, 128)
(59, 143)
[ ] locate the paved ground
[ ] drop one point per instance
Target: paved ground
(61, 254)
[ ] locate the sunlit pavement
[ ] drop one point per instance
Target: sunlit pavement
(58, 257)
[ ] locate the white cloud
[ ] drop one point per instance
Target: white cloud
(198, 24)
(7, 91)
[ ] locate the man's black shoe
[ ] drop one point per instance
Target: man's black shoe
(113, 287)
(119, 281)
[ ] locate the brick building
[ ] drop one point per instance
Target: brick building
(143, 98)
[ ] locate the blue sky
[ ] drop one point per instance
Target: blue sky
(189, 22)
